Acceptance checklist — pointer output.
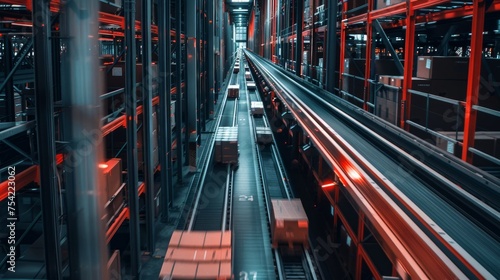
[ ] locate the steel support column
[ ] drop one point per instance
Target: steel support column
(178, 102)
(147, 122)
(267, 31)
(298, 46)
(10, 104)
(164, 122)
(368, 67)
(343, 31)
(130, 107)
(331, 45)
(474, 78)
(210, 59)
(81, 119)
(192, 74)
(408, 69)
(45, 136)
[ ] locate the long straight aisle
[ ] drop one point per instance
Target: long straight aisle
(252, 255)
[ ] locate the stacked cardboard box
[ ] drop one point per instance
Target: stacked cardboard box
(140, 144)
(198, 255)
(257, 108)
(248, 76)
(264, 135)
(226, 145)
(251, 85)
(356, 67)
(485, 141)
(386, 3)
(233, 91)
(289, 222)
(111, 174)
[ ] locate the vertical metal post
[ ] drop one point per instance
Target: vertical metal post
(168, 179)
(299, 22)
(210, 59)
(164, 121)
(368, 67)
(408, 69)
(343, 34)
(81, 119)
(474, 78)
(10, 111)
(331, 45)
(147, 122)
(130, 107)
(46, 143)
(267, 30)
(192, 74)
(178, 103)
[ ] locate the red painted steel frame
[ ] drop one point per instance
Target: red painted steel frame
(479, 9)
(408, 69)
(22, 179)
(113, 228)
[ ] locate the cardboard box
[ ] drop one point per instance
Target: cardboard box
(257, 108)
(384, 79)
(251, 85)
(233, 91)
(289, 222)
(226, 145)
(248, 76)
(264, 135)
(484, 141)
(442, 67)
(112, 174)
(386, 3)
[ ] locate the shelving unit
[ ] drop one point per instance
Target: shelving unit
(373, 56)
(19, 140)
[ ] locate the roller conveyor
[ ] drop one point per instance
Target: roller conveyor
(479, 243)
(252, 255)
(210, 210)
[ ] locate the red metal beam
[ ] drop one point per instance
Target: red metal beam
(113, 125)
(350, 231)
(408, 69)
(141, 189)
(393, 10)
(373, 268)
(113, 228)
(479, 9)
(358, 19)
(22, 179)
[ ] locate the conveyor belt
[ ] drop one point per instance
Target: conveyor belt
(482, 246)
(228, 114)
(273, 181)
(211, 206)
(252, 254)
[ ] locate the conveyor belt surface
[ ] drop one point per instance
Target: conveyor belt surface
(228, 114)
(252, 254)
(274, 183)
(479, 244)
(211, 205)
